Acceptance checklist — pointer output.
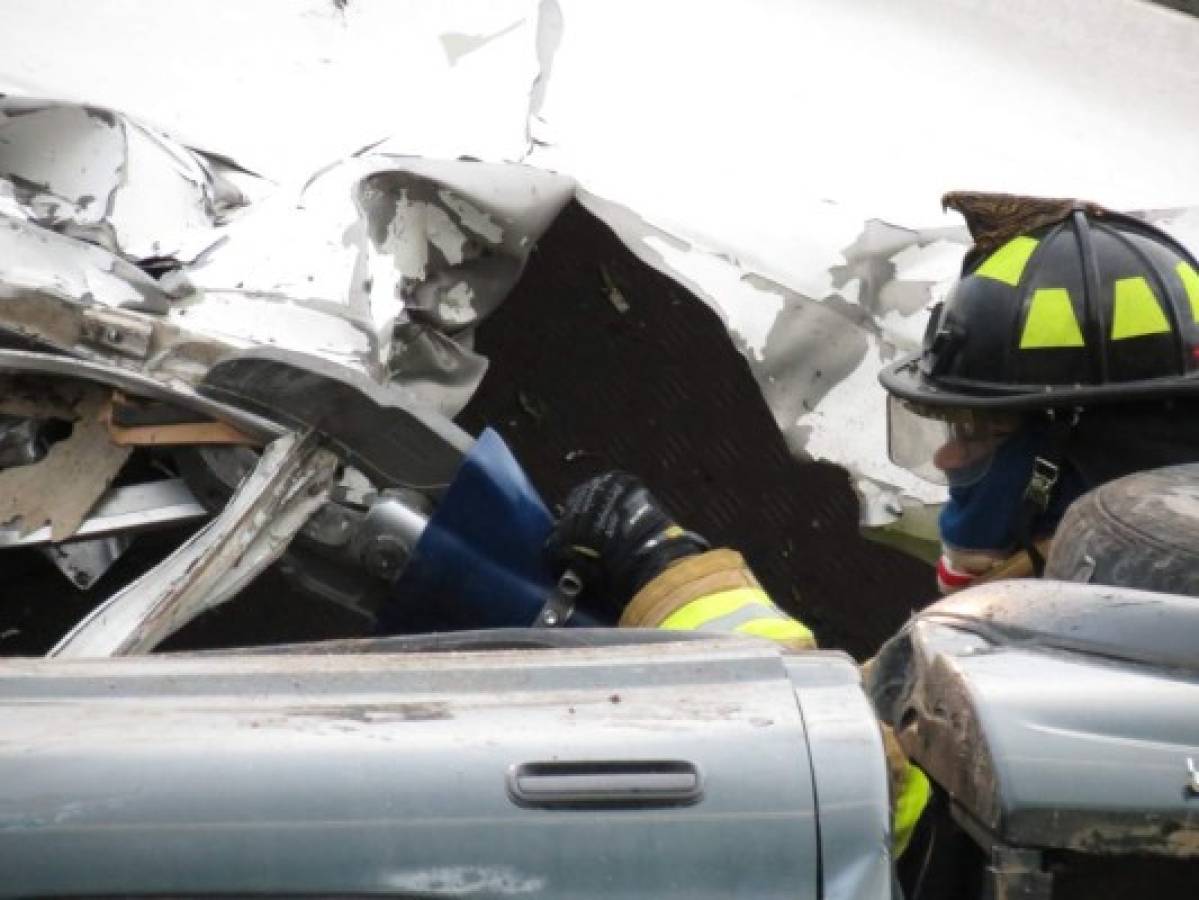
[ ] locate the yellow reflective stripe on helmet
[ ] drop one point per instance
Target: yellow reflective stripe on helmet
(1190, 281)
(787, 629)
(1051, 323)
(1137, 312)
(909, 805)
(703, 610)
(1007, 263)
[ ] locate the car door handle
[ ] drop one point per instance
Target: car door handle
(605, 783)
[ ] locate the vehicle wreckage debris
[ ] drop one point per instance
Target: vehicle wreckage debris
(60, 489)
(124, 509)
(160, 387)
(85, 562)
(136, 423)
(291, 481)
(393, 442)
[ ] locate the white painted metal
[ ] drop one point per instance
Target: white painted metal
(793, 153)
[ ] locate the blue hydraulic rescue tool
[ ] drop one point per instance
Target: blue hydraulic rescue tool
(482, 548)
(477, 561)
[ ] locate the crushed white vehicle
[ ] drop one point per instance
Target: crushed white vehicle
(508, 760)
(214, 373)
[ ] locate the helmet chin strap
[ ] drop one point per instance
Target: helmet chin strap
(1039, 491)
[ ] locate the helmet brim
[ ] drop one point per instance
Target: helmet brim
(905, 380)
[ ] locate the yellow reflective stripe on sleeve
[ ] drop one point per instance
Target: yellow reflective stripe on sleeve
(777, 630)
(1190, 282)
(1137, 312)
(909, 805)
(700, 611)
(1007, 263)
(1051, 323)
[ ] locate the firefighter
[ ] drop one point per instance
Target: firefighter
(1067, 355)
(652, 573)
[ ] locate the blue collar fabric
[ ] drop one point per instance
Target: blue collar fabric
(982, 515)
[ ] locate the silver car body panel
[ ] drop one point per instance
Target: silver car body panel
(1056, 715)
(546, 772)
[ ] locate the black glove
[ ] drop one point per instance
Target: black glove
(617, 538)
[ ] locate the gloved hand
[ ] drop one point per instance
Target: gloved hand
(617, 537)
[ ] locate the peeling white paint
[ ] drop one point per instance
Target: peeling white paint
(407, 238)
(851, 291)
(904, 333)
(939, 261)
(749, 312)
(456, 307)
(478, 221)
(444, 234)
(850, 424)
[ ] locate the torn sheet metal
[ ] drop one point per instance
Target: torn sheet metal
(96, 175)
(291, 481)
(412, 253)
(381, 264)
(816, 356)
(83, 563)
(1056, 715)
(38, 260)
(61, 489)
(123, 510)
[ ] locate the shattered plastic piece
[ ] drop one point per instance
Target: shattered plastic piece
(83, 563)
(292, 480)
(61, 488)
